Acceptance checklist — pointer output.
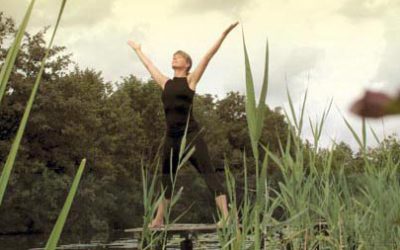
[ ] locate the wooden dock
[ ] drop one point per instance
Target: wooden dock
(177, 228)
(186, 231)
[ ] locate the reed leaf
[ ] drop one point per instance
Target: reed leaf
(353, 132)
(261, 105)
(58, 227)
(250, 105)
(13, 52)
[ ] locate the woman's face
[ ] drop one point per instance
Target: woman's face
(179, 62)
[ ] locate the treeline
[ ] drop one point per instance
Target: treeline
(118, 127)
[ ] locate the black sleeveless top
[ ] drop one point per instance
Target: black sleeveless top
(177, 99)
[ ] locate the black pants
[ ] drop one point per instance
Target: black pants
(200, 159)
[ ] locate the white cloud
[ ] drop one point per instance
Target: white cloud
(362, 9)
(232, 7)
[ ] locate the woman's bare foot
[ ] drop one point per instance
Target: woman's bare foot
(223, 222)
(222, 204)
(156, 223)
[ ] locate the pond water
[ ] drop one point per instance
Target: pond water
(114, 240)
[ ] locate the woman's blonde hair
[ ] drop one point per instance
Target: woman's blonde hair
(187, 57)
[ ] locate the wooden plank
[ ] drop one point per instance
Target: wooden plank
(190, 228)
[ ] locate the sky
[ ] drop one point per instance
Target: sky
(335, 49)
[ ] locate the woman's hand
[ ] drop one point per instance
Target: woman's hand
(376, 104)
(154, 72)
(135, 46)
(194, 78)
(231, 27)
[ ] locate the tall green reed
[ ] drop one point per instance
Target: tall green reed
(15, 145)
(150, 203)
(13, 52)
(325, 207)
(4, 76)
(58, 227)
(255, 120)
(152, 199)
(233, 235)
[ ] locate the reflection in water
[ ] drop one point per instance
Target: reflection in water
(117, 240)
(118, 244)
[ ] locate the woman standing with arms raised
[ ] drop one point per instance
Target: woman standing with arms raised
(177, 97)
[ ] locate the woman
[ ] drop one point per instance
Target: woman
(177, 97)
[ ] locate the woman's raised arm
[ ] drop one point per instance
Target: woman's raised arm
(194, 77)
(154, 72)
